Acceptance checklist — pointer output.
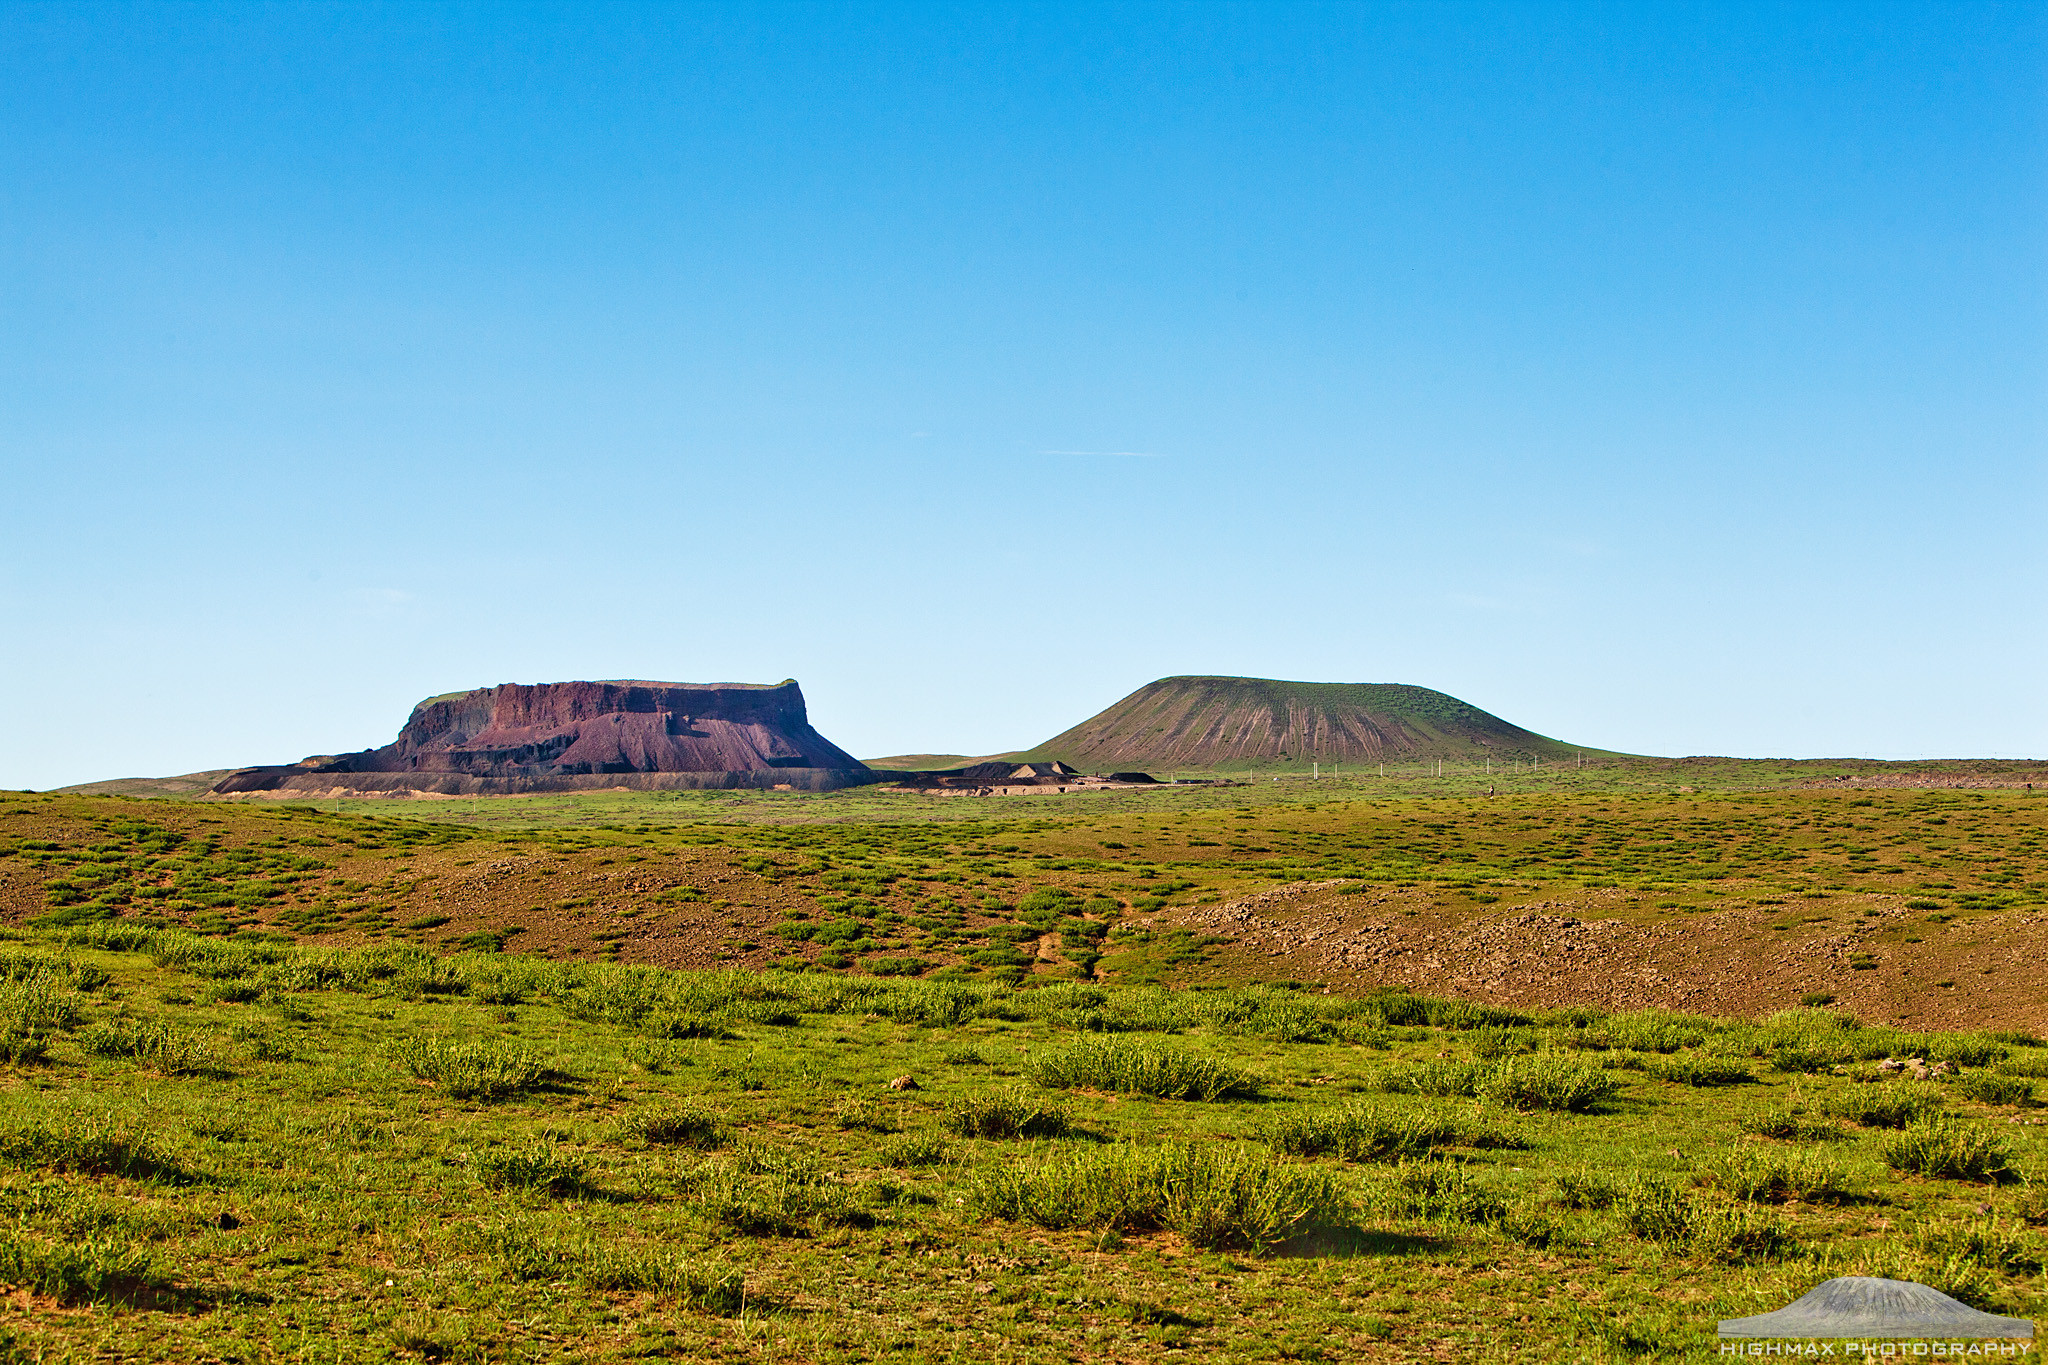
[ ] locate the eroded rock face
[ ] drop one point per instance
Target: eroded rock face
(583, 729)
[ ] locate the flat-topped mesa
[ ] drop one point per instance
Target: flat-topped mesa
(563, 729)
(562, 736)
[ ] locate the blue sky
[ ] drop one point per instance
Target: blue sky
(1662, 378)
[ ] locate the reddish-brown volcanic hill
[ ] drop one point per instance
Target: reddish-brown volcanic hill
(522, 737)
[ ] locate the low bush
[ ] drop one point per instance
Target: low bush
(1791, 1125)
(1444, 1191)
(1695, 1070)
(1652, 1031)
(1132, 1067)
(1443, 1080)
(1547, 1081)
(1491, 1044)
(526, 1254)
(1886, 1105)
(153, 1045)
(472, 1071)
(1804, 1061)
(1987, 1242)
(1988, 1087)
(1215, 1196)
(767, 1192)
(1774, 1176)
(1947, 1149)
(1737, 1233)
(1964, 1049)
(1364, 1132)
(98, 1269)
(537, 1165)
(1009, 1114)
(612, 1268)
(1659, 1211)
(1580, 1188)
(89, 1148)
(676, 1126)
(865, 1114)
(914, 1150)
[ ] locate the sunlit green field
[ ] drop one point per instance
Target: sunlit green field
(270, 1089)
(253, 1151)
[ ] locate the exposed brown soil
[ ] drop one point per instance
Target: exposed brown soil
(1599, 948)
(573, 903)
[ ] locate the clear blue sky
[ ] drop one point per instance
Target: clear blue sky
(1665, 378)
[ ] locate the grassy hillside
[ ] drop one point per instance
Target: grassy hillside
(1261, 724)
(150, 788)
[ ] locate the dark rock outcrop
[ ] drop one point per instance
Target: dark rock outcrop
(564, 736)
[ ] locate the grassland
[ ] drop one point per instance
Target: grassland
(605, 1077)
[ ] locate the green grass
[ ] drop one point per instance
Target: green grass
(471, 1071)
(705, 1196)
(1218, 1198)
(1365, 1132)
(394, 1151)
(1134, 1067)
(1948, 1148)
(1892, 1104)
(1009, 1114)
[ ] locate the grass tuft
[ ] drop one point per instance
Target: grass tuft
(472, 1071)
(1216, 1197)
(1009, 1114)
(537, 1165)
(676, 1126)
(1132, 1067)
(1948, 1149)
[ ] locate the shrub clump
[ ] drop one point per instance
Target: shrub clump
(1992, 1088)
(1009, 1114)
(1774, 1176)
(1216, 1197)
(1132, 1067)
(97, 1269)
(1658, 1211)
(103, 1148)
(1881, 1106)
(1364, 1132)
(608, 1266)
(677, 1126)
(1695, 1070)
(1442, 1190)
(1791, 1125)
(472, 1071)
(1948, 1149)
(1547, 1081)
(1443, 1080)
(538, 1165)
(154, 1045)
(1582, 1188)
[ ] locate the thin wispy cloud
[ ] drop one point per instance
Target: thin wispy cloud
(1118, 454)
